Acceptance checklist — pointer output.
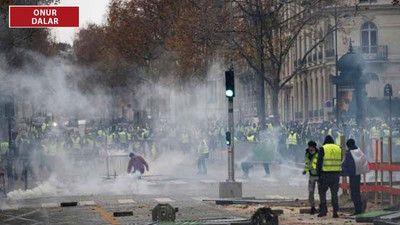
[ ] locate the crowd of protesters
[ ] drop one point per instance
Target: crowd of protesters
(206, 140)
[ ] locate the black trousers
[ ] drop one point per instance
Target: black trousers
(329, 181)
(355, 193)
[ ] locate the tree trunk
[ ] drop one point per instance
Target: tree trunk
(261, 105)
(275, 104)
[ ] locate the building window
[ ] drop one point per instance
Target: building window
(331, 39)
(369, 37)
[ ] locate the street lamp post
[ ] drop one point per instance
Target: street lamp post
(388, 92)
(336, 68)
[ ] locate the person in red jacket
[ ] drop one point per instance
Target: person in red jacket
(138, 163)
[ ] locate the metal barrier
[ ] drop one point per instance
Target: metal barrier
(116, 164)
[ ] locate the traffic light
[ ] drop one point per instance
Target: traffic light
(228, 138)
(229, 84)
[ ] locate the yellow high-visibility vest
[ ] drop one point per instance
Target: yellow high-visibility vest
(250, 138)
(3, 148)
(397, 141)
(185, 138)
(110, 138)
(374, 134)
(203, 147)
(332, 158)
(311, 165)
(385, 138)
(123, 137)
(76, 143)
(292, 139)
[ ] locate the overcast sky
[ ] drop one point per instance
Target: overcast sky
(90, 11)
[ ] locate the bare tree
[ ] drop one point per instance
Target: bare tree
(265, 32)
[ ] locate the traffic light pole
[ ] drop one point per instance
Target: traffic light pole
(231, 149)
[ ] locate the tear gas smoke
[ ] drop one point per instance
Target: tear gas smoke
(52, 84)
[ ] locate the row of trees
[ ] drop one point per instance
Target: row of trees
(14, 43)
(176, 41)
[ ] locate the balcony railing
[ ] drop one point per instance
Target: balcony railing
(378, 52)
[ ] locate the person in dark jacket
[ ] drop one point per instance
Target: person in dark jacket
(138, 163)
(311, 167)
(329, 165)
(352, 166)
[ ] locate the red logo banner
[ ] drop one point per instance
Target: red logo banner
(43, 16)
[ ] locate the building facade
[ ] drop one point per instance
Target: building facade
(373, 29)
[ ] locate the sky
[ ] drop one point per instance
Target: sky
(90, 11)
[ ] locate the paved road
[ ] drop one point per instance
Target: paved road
(98, 199)
(100, 209)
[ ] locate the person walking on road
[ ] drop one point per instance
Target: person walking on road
(203, 155)
(355, 163)
(311, 167)
(329, 166)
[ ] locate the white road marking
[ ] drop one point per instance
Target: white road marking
(164, 200)
(86, 203)
(50, 205)
(208, 181)
(241, 180)
(178, 182)
(126, 201)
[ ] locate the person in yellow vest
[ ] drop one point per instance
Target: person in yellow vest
(109, 139)
(270, 127)
(100, 138)
(3, 154)
(123, 139)
(185, 142)
(43, 129)
(3, 148)
(203, 155)
(329, 166)
(291, 142)
(311, 168)
(251, 134)
(375, 133)
(76, 142)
